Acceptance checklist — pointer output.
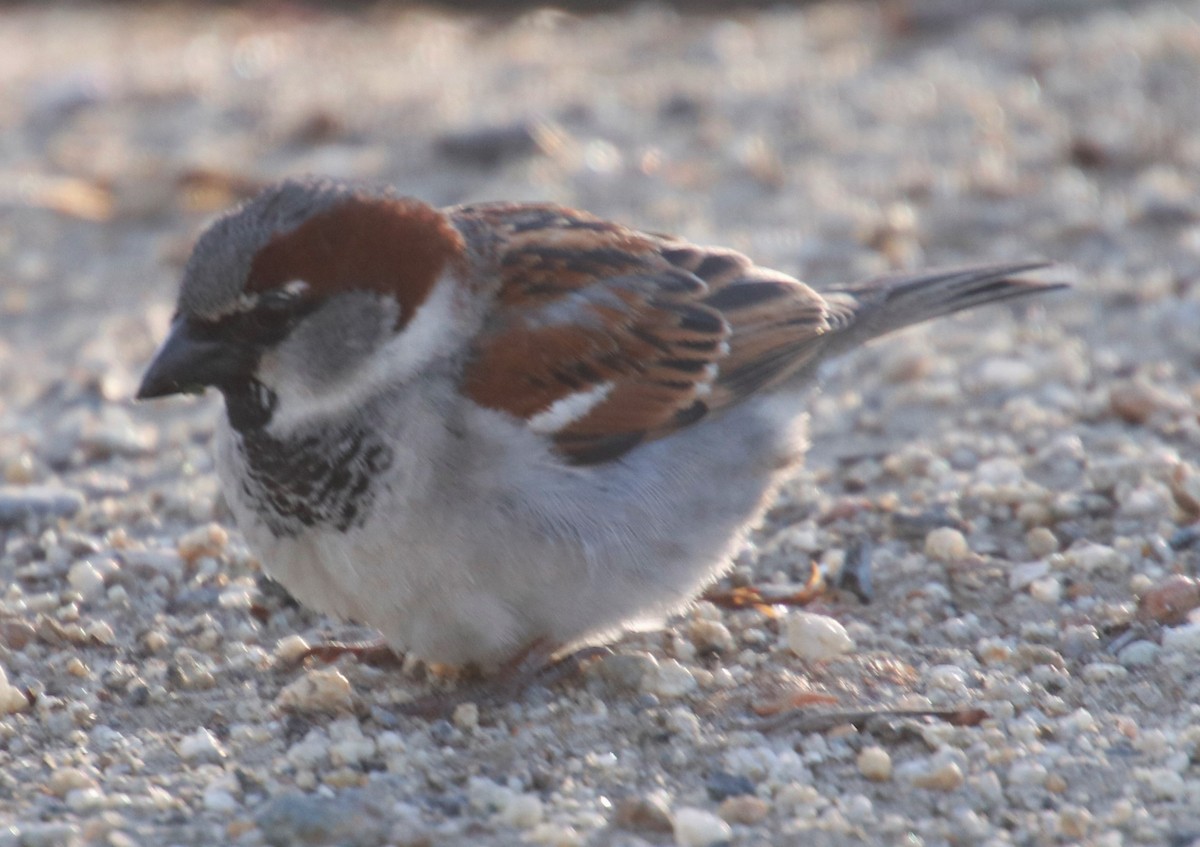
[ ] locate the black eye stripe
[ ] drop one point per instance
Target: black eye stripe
(265, 324)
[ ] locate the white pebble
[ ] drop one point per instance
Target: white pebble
(466, 716)
(200, 746)
(815, 638)
(1139, 653)
(875, 764)
(947, 677)
(1150, 500)
(218, 799)
(159, 562)
(309, 752)
(1095, 558)
(669, 679)
(1182, 639)
(1161, 783)
(209, 540)
(12, 699)
(1007, 374)
(320, 690)
(710, 635)
(1027, 772)
(86, 579)
(938, 773)
(1041, 541)
(1046, 590)
(349, 746)
(554, 835)
(522, 811)
(1000, 471)
(946, 544)
(699, 828)
(66, 779)
(1023, 575)
(84, 799)
(290, 649)
(1100, 672)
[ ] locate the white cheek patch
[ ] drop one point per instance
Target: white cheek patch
(563, 412)
(428, 336)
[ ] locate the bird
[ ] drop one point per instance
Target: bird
(499, 433)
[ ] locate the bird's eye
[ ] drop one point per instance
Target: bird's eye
(273, 316)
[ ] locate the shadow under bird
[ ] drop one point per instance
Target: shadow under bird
(501, 432)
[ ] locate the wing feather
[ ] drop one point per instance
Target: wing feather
(639, 334)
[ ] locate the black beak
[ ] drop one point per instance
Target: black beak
(192, 357)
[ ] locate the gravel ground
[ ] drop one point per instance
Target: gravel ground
(1015, 491)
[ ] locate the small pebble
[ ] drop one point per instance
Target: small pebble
(1139, 654)
(1169, 601)
(1148, 501)
(292, 820)
(12, 699)
(67, 779)
(217, 798)
(1041, 542)
(20, 504)
(1046, 590)
(200, 746)
(155, 562)
(43, 835)
(937, 773)
(113, 433)
(522, 811)
(1007, 374)
(20, 469)
(875, 764)
(946, 544)
(669, 679)
(815, 638)
(627, 671)
(721, 785)
(1022, 575)
(553, 835)
(699, 828)
(1097, 559)
(466, 716)
(84, 799)
(1000, 471)
(210, 540)
(744, 809)
(1135, 401)
(643, 814)
(319, 690)
(289, 649)
(1182, 639)
(710, 636)
(348, 745)
(86, 579)
(947, 677)
(1103, 672)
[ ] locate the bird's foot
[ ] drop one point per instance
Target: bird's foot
(535, 665)
(374, 651)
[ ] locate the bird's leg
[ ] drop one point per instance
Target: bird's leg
(765, 596)
(534, 665)
(373, 651)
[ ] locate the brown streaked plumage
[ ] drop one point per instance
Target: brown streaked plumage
(669, 331)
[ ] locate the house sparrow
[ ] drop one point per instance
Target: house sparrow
(501, 430)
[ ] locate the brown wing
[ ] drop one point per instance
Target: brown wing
(604, 337)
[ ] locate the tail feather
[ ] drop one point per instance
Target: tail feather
(861, 311)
